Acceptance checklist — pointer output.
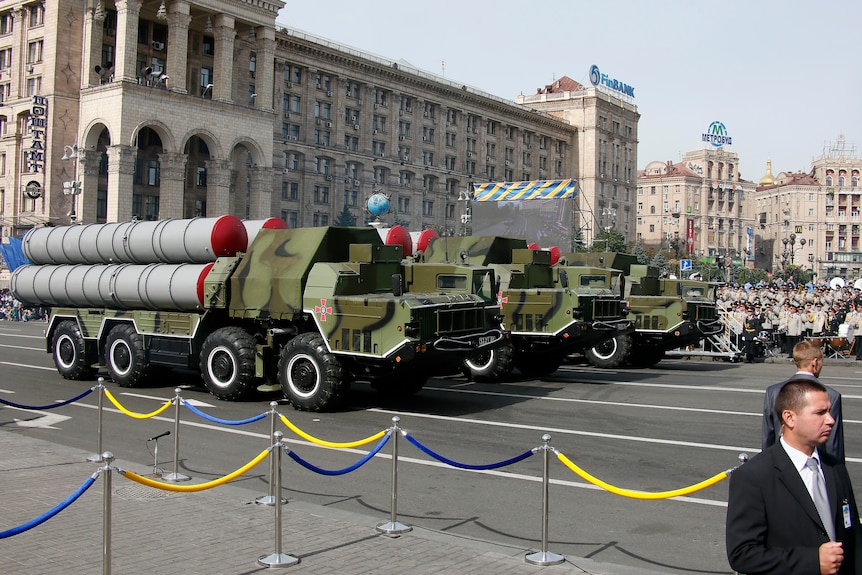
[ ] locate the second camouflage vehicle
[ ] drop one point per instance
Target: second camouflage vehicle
(551, 311)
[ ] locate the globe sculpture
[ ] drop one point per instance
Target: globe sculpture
(377, 205)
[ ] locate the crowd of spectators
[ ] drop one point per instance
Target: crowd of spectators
(783, 313)
(13, 310)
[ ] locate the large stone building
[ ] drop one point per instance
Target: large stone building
(813, 220)
(606, 152)
(174, 108)
(696, 206)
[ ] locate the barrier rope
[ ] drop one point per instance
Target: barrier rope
(197, 487)
(200, 413)
(49, 514)
(51, 406)
(353, 467)
(439, 457)
(642, 494)
(167, 404)
(346, 445)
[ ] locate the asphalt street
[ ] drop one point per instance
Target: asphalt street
(648, 430)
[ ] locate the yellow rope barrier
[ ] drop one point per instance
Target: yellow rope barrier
(200, 486)
(137, 415)
(641, 494)
(347, 445)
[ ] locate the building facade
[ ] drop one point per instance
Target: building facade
(606, 152)
(813, 219)
(697, 207)
(168, 108)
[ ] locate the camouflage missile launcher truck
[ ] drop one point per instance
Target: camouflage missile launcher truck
(550, 311)
(668, 313)
(309, 309)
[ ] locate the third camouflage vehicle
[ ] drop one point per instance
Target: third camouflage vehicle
(668, 313)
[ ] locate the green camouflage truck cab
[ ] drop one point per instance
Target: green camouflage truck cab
(668, 313)
(549, 311)
(310, 310)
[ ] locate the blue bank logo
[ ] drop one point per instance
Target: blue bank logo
(599, 79)
(717, 135)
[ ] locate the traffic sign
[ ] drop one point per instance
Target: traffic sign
(685, 265)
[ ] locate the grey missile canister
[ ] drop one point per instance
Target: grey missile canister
(173, 241)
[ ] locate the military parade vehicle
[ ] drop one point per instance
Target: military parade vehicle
(668, 313)
(310, 310)
(550, 311)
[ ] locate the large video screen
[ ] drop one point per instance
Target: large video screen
(545, 222)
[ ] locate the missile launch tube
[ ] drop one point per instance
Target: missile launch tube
(174, 241)
(252, 227)
(157, 287)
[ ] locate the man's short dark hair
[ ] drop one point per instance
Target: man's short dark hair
(792, 395)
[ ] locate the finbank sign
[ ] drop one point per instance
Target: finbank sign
(717, 135)
(599, 79)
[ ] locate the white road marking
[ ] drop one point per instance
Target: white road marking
(27, 365)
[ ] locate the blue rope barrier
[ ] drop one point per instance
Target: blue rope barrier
(49, 514)
(447, 461)
(353, 467)
(52, 406)
(200, 413)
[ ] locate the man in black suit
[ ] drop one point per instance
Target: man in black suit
(809, 361)
(773, 522)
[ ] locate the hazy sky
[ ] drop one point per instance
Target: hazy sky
(784, 76)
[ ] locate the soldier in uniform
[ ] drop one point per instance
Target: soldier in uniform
(794, 330)
(751, 326)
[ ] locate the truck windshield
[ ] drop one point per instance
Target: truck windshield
(449, 282)
(594, 281)
(484, 286)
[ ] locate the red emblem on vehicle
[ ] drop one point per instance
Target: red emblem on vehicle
(322, 310)
(500, 299)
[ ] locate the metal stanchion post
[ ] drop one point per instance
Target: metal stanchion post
(176, 476)
(97, 457)
(544, 557)
(108, 458)
(270, 499)
(393, 528)
(277, 559)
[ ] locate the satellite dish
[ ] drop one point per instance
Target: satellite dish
(836, 283)
(858, 284)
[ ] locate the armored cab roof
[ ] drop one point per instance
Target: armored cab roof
(477, 250)
(615, 260)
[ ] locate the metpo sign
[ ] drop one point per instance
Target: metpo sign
(717, 135)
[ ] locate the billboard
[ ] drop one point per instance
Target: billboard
(539, 211)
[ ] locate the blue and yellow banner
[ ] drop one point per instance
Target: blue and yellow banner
(534, 190)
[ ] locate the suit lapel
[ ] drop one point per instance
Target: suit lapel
(789, 477)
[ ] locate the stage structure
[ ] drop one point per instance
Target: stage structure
(539, 211)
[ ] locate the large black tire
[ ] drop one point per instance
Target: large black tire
(71, 356)
(125, 356)
(403, 384)
(610, 353)
(311, 378)
(227, 363)
(538, 363)
(491, 366)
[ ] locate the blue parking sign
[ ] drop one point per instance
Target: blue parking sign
(685, 265)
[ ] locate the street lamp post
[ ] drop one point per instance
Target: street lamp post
(72, 188)
(789, 252)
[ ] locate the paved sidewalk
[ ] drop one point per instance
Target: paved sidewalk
(215, 532)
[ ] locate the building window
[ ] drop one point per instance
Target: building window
(352, 89)
(34, 52)
(201, 177)
(206, 82)
(34, 86)
(323, 110)
(6, 21)
(5, 58)
(351, 143)
(289, 191)
(321, 194)
(37, 15)
(209, 46)
(324, 82)
(321, 137)
(428, 208)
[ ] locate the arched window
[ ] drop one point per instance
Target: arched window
(652, 209)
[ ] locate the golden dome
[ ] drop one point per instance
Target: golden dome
(768, 179)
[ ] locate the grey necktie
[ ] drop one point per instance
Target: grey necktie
(821, 500)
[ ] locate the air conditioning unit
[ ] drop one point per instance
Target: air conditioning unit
(355, 126)
(424, 138)
(469, 154)
(292, 138)
(328, 178)
(159, 46)
(376, 105)
(329, 93)
(355, 182)
(488, 159)
(359, 102)
(401, 137)
(508, 162)
(406, 158)
(328, 124)
(288, 84)
(382, 154)
(425, 114)
(285, 170)
(318, 121)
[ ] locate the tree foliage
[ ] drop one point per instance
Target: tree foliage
(609, 240)
(345, 218)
